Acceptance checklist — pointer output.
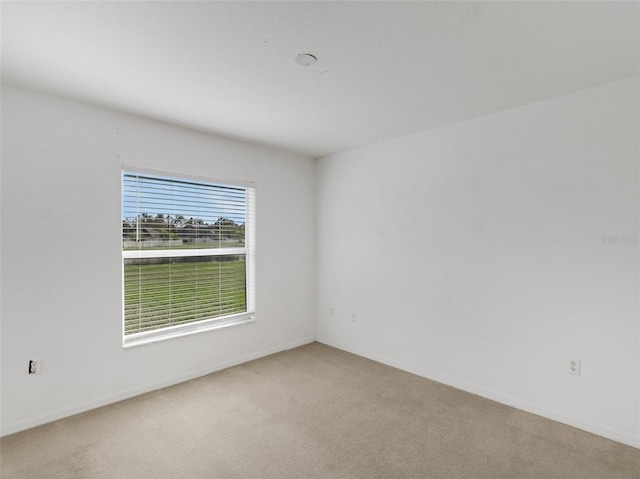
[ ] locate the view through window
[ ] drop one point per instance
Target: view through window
(187, 251)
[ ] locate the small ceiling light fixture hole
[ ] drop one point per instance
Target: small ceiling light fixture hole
(306, 59)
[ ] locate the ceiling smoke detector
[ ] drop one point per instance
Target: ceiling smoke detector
(306, 59)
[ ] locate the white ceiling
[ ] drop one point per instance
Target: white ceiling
(384, 68)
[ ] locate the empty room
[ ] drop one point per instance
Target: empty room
(316, 239)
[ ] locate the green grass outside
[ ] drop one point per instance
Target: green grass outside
(161, 295)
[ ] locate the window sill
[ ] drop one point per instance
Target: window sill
(149, 337)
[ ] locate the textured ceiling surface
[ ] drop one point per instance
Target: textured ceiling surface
(384, 69)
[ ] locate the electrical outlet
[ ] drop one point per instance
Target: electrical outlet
(34, 366)
(330, 311)
(574, 367)
(354, 317)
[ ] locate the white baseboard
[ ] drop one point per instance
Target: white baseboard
(588, 426)
(22, 425)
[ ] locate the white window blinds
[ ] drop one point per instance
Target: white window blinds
(187, 251)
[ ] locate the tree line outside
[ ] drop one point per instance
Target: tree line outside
(167, 227)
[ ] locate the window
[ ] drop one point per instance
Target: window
(187, 254)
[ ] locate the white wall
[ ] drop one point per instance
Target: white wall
(473, 254)
(61, 273)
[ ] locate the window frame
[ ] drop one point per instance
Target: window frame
(207, 324)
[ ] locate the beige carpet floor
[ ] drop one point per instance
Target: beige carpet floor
(312, 412)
